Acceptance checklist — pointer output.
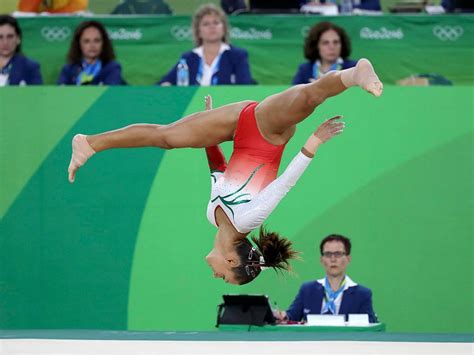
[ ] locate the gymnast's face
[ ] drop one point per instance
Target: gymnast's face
(9, 40)
(211, 28)
(222, 266)
(91, 44)
(329, 46)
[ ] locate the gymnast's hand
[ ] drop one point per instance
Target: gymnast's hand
(208, 102)
(329, 129)
(325, 132)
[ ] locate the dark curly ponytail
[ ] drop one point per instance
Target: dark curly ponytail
(271, 251)
(276, 250)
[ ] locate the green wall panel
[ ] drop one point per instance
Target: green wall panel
(124, 247)
(32, 139)
(383, 137)
(66, 249)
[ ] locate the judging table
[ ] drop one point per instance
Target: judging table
(376, 327)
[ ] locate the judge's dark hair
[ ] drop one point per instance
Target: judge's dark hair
(338, 238)
(74, 55)
(275, 250)
(311, 51)
(11, 21)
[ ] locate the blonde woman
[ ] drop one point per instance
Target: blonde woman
(213, 61)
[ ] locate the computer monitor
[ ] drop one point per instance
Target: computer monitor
(245, 310)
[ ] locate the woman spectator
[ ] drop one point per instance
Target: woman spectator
(213, 61)
(91, 58)
(15, 69)
(327, 47)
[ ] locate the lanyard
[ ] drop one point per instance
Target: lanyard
(330, 296)
(7, 69)
(88, 72)
(214, 71)
(317, 70)
(5, 74)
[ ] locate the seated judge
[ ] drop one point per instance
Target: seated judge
(91, 58)
(15, 68)
(213, 61)
(336, 292)
(327, 47)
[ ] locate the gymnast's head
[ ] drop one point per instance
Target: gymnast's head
(243, 261)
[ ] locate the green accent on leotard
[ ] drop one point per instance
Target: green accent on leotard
(235, 199)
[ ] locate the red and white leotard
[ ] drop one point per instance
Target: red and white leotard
(248, 189)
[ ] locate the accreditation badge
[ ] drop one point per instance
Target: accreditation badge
(4, 79)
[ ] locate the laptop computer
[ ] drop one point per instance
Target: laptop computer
(245, 310)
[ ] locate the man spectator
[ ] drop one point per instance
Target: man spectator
(336, 293)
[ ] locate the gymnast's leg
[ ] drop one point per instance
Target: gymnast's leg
(202, 129)
(278, 114)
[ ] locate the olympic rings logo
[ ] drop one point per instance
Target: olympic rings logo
(55, 33)
(448, 33)
(181, 33)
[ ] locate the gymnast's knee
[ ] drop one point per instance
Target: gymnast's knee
(163, 137)
(314, 96)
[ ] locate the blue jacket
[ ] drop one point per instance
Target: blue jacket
(110, 74)
(355, 300)
(24, 70)
(305, 71)
(371, 5)
(233, 68)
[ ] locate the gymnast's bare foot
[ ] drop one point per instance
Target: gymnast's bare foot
(364, 75)
(81, 152)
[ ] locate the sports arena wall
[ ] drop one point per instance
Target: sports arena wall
(439, 47)
(124, 246)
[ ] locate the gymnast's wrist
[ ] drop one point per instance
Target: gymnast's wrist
(307, 153)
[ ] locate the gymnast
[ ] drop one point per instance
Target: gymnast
(246, 190)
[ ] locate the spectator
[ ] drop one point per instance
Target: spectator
(327, 47)
(142, 7)
(448, 5)
(336, 293)
(53, 6)
(366, 5)
(231, 6)
(15, 69)
(458, 6)
(91, 58)
(213, 61)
